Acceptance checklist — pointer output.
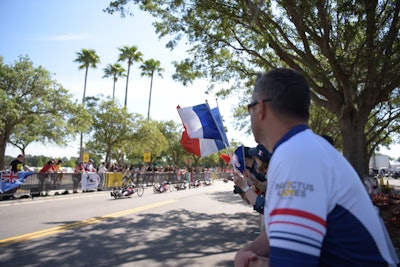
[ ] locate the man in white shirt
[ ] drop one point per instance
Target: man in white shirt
(317, 211)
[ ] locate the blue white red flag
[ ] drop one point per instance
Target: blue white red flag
(204, 132)
(12, 180)
(238, 159)
(201, 147)
(218, 120)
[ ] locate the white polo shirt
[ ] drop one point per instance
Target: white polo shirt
(317, 211)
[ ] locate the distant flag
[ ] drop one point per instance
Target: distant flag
(12, 180)
(204, 132)
(238, 159)
(226, 158)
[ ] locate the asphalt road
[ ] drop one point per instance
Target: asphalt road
(198, 227)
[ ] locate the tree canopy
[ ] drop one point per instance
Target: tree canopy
(34, 107)
(349, 51)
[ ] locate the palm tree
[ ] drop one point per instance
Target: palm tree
(131, 54)
(86, 58)
(149, 68)
(115, 71)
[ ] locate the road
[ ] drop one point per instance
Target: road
(198, 227)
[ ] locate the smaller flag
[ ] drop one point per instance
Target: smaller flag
(226, 158)
(12, 180)
(238, 159)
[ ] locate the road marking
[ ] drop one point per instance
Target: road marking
(66, 227)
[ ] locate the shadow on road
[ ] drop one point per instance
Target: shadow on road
(175, 238)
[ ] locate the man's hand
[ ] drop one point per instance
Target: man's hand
(244, 257)
(239, 180)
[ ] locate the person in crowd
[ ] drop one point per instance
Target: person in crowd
(261, 157)
(102, 168)
(89, 166)
(18, 165)
(49, 167)
(317, 212)
(79, 168)
(256, 176)
(59, 166)
(57, 179)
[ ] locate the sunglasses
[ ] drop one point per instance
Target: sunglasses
(252, 104)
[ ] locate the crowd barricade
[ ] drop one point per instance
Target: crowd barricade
(113, 179)
(42, 184)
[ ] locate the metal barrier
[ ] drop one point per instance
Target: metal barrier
(43, 184)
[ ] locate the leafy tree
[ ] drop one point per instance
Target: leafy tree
(87, 58)
(149, 137)
(115, 71)
(30, 100)
(130, 54)
(322, 121)
(149, 68)
(112, 126)
(175, 152)
(349, 52)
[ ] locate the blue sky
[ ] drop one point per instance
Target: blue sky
(50, 32)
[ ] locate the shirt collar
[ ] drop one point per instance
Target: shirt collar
(292, 132)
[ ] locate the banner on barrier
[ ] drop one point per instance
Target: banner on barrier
(90, 181)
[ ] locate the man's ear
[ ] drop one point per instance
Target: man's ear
(262, 110)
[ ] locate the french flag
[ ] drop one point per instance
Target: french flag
(238, 159)
(204, 132)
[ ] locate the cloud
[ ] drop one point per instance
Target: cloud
(68, 37)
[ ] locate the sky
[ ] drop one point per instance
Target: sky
(51, 32)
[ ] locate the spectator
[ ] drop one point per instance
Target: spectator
(49, 167)
(261, 157)
(18, 165)
(59, 166)
(79, 169)
(89, 166)
(317, 212)
(255, 195)
(102, 168)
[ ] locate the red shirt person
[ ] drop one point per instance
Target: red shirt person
(49, 167)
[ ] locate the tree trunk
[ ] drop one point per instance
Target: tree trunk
(3, 145)
(81, 134)
(151, 88)
(127, 83)
(108, 154)
(113, 90)
(354, 143)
